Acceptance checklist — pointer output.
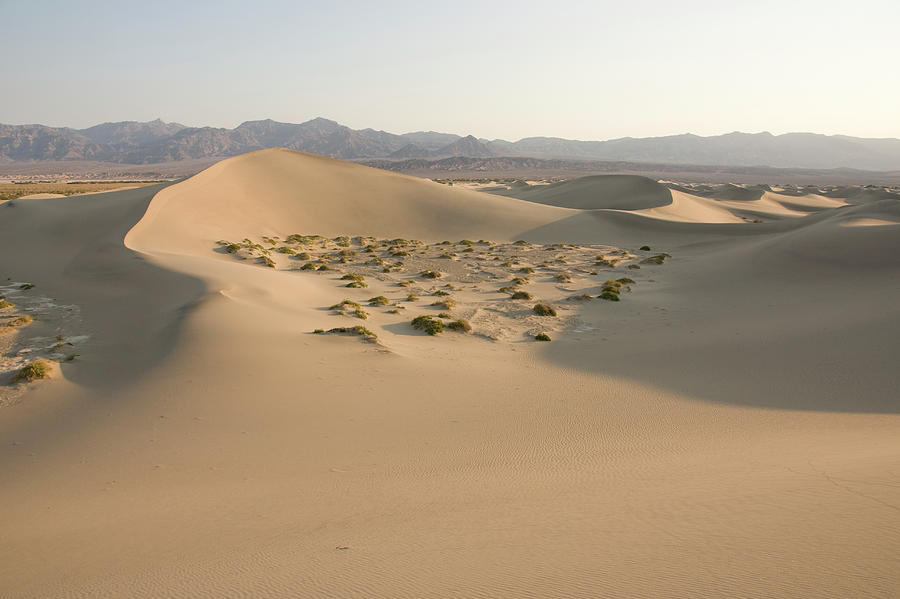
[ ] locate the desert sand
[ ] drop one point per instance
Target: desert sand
(729, 427)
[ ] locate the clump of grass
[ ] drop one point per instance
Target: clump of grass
(302, 256)
(581, 297)
(379, 300)
(542, 337)
(506, 264)
(5, 304)
(286, 250)
(460, 325)
(430, 274)
(526, 270)
(440, 292)
(447, 256)
(360, 330)
(444, 315)
(609, 295)
(657, 259)
(429, 324)
(562, 277)
(310, 266)
(39, 369)
(447, 303)
(521, 295)
(342, 241)
(360, 313)
(325, 267)
(645, 248)
(412, 297)
(267, 261)
(507, 289)
(26, 286)
(633, 267)
(404, 283)
(601, 261)
(544, 310)
(466, 242)
(346, 302)
(21, 321)
(520, 242)
(319, 332)
(520, 281)
(625, 281)
(352, 276)
(357, 285)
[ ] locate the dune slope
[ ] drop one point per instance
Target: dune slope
(727, 429)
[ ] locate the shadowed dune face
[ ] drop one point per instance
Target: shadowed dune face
(613, 192)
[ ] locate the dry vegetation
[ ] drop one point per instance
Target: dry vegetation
(11, 191)
(501, 291)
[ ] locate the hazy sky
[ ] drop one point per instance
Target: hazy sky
(585, 70)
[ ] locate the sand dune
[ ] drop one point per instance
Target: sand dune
(729, 428)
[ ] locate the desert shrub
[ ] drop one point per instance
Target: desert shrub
(444, 315)
(429, 324)
(360, 313)
(520, 281)
(507, 289)
(286, 250)
(544, 310)
(302, 256)
(357, 285)
(440, 292)
(460, 325)
(267, 261)
(657, 259)
(404, 283)
(39, 369)
(21, 321)
(609, 295)
(347, 253)
(319, 331)
(430, 274)
(625, 281)
(645, 248)
(581, 297)
(376, 262)
(520, 242)
(357, 330)
(445, 243)
(412, 297)
(562, 277)
(342, 241)
(5, 304)
(346, 302)
(469, 250)
(521, 295)
(527, 270)
(310, 266)
(325, 267)
(399, 253)
(379, 300)
(601, 261)
(542, 337)
(352, 276)
(447, 303)
(26, 286)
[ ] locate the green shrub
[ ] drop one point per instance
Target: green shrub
(542, 337)
(360, 313)
(429, 324)
(325, 267)
(352, 276)
(39, 369)
(356, 285)
(267, 261)
(447, 303)
(21, 321)
(302, 256)
(444, 315)
(544, 310)
(521, 295)
(625, 281)
(286, 250)
(26, 286)
(357, 330)
(379, 300)
(609, 295)
(645, 248)
(460, 325)
(310, 266)
(346, 302)
(657, 259)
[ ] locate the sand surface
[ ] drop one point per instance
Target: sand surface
(729, 428)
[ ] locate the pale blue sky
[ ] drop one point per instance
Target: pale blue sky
(585, 70)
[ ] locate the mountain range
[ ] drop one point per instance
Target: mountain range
(158, 142)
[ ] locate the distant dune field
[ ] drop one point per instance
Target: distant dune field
(716, 412)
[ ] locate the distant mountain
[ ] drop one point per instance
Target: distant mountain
(156, 142)
(467, 146)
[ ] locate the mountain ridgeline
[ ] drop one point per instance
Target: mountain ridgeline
(159, 142)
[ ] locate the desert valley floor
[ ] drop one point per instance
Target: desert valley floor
(716, 413)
